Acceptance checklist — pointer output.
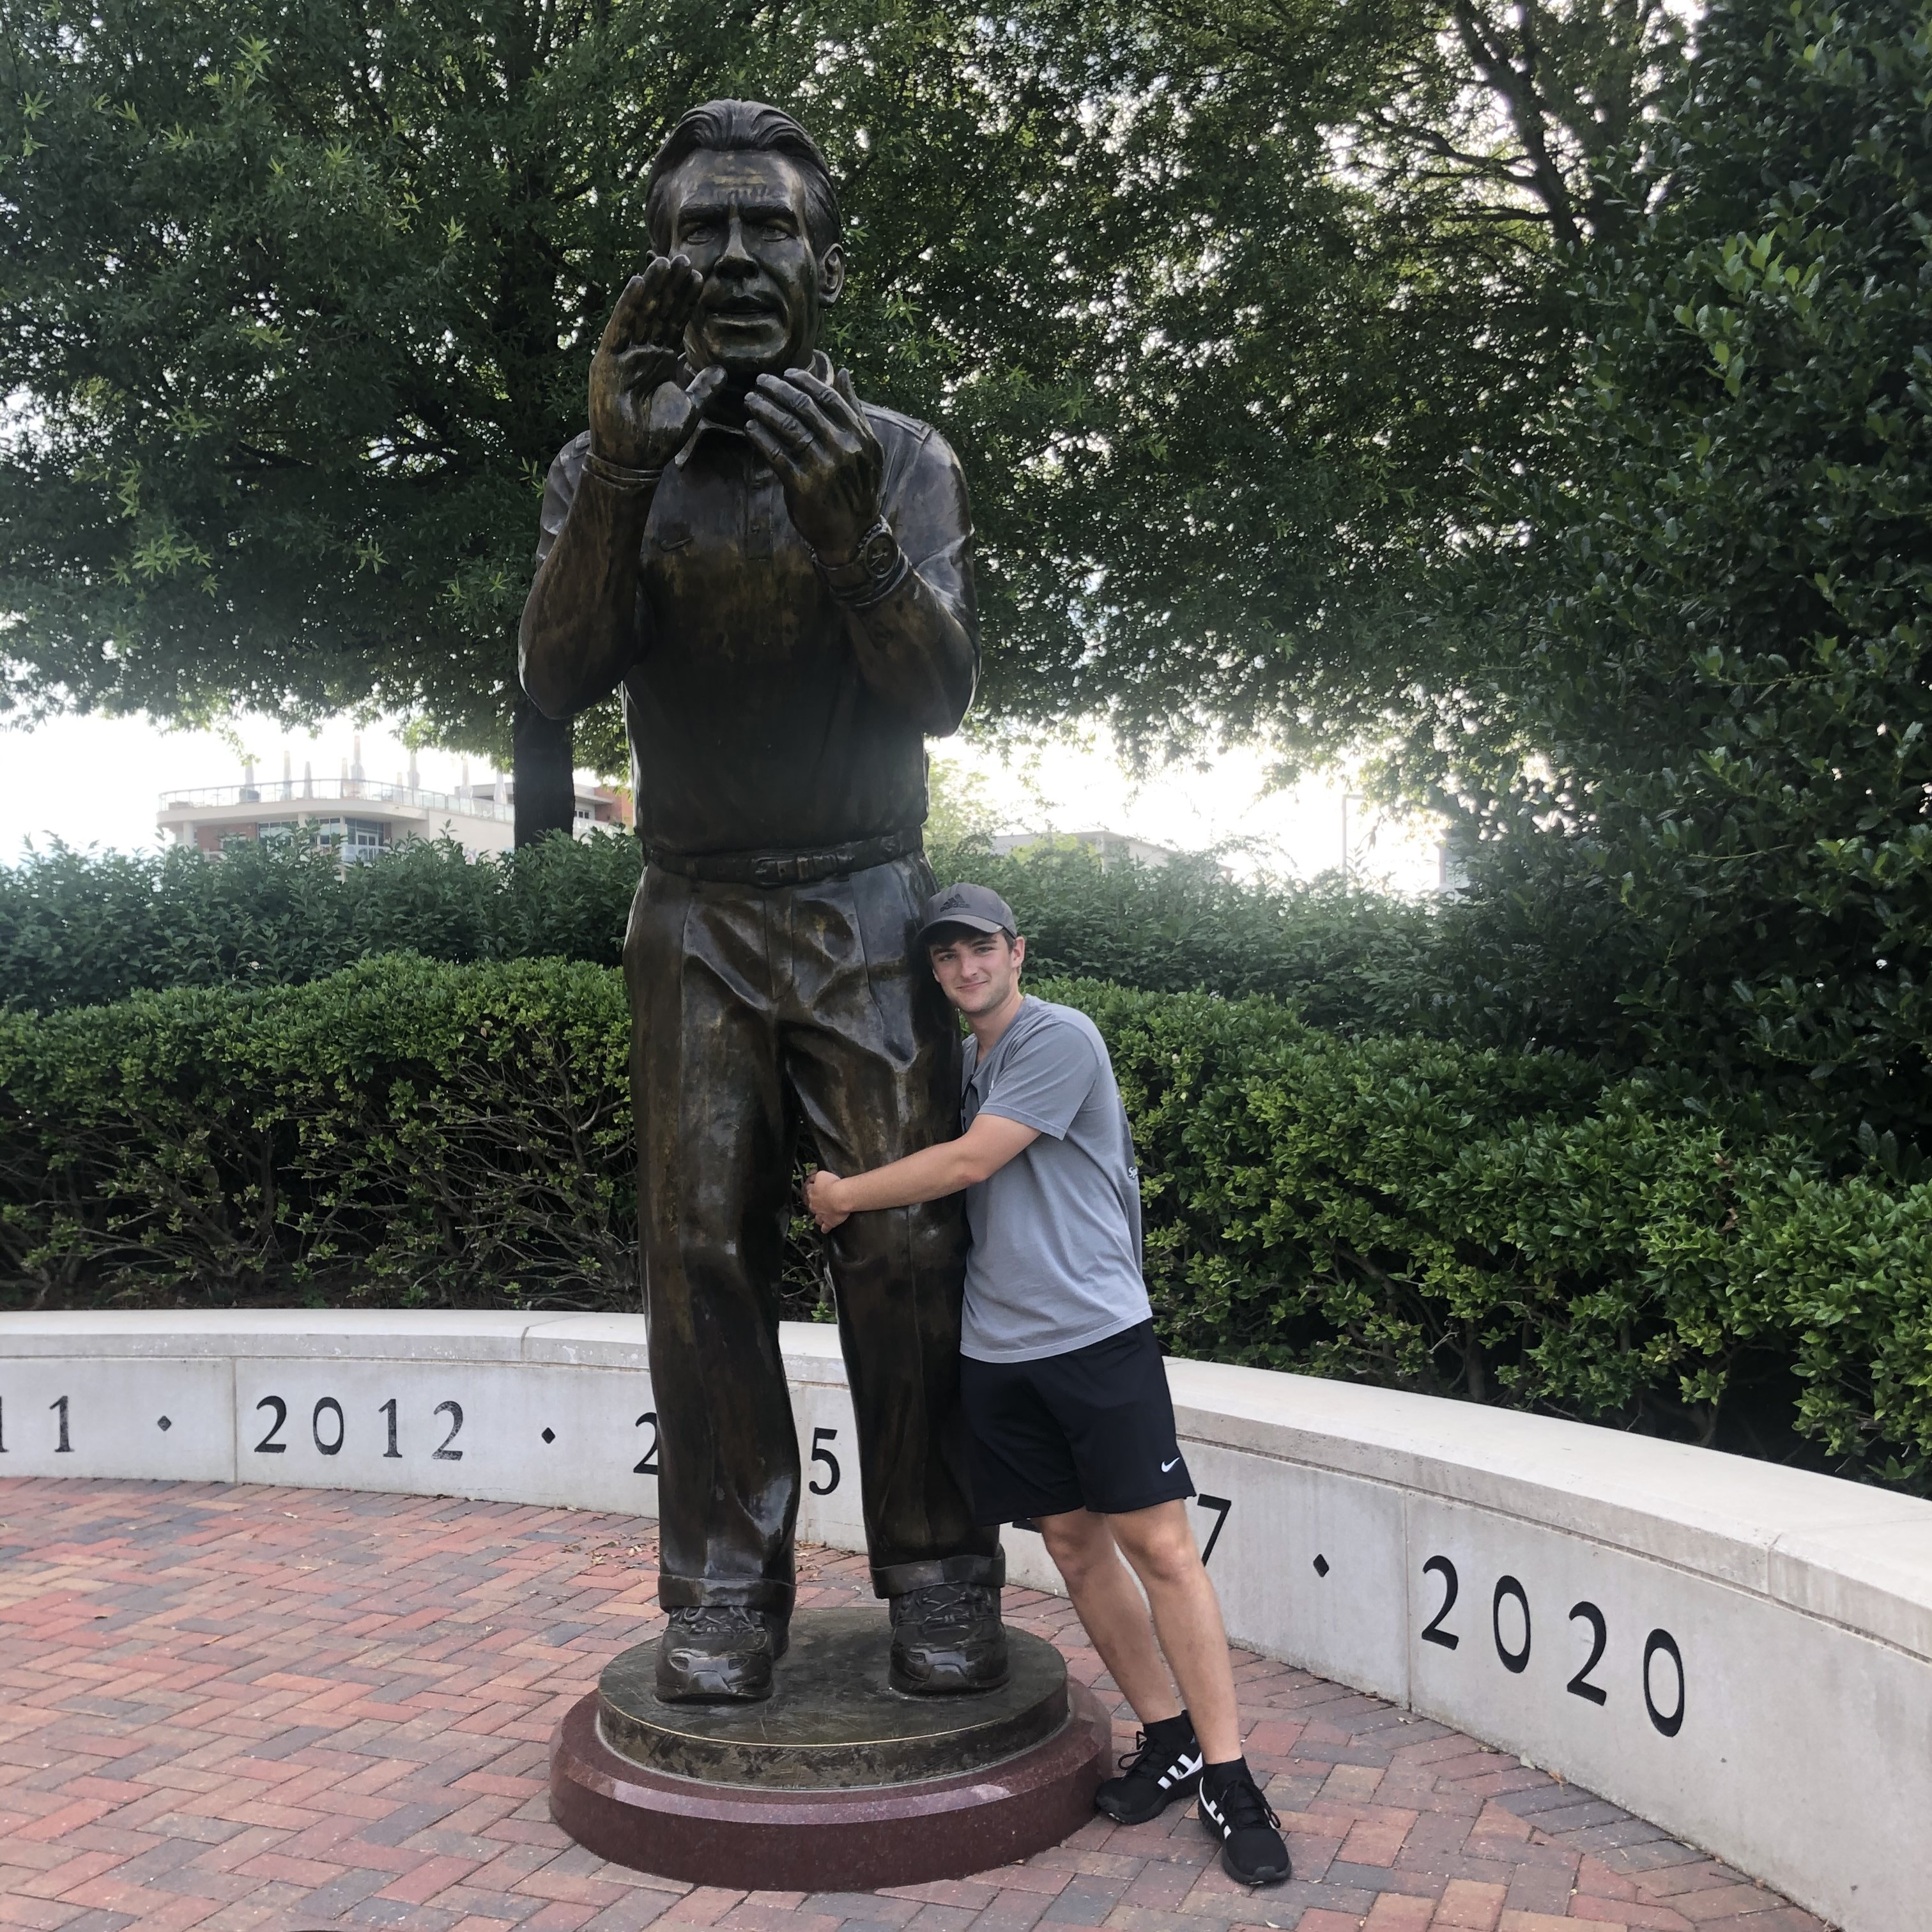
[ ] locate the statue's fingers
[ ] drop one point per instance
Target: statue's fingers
(619, 331)
(794, 398)
(779, 455)
(680, 302)
(783, 422)
(838, 406)
(669, 297)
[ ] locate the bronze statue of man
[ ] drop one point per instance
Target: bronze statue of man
(777, 576)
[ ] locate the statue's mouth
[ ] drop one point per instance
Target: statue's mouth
(744, 309)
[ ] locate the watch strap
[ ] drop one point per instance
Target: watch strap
(872, 571)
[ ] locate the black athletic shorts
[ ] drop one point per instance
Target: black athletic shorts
(1092, 1429)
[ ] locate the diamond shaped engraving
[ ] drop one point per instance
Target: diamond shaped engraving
(164, 1424)
(1321, 1566)
(550, 1436)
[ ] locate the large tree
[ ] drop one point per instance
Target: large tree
(300, 296)
(1691, 735)
(298, 293)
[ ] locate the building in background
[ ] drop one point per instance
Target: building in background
(1112, 847)
(362, 818)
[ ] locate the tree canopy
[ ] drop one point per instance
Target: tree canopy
(1691, 730)
(300, 295)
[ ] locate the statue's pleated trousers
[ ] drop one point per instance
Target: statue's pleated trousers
(756, 1013)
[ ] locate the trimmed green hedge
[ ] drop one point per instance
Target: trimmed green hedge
(84, 929)
(1422, 1215)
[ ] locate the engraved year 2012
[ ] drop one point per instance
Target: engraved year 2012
(329, 1427)
(1513, 1636)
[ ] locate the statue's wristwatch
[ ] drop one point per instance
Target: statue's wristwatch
(877, 563)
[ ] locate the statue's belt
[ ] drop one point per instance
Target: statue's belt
(786, 868)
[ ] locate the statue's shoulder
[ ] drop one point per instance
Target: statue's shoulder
(568, 460)
(913, 449)
(891, 423)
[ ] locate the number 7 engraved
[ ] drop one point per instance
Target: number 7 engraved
(1220, 1505)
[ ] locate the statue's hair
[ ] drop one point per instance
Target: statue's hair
(746, 126)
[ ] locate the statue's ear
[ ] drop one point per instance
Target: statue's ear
(832, 274)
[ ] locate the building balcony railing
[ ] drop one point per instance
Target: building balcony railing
(301, 792)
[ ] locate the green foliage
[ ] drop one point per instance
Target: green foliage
(403, 1131)
(1706, 815)
(1471, 1223)
(300, 299)
(1352, 961)
(83, 929)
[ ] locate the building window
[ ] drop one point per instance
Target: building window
(364, 839)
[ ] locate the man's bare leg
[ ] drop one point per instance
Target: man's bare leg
(1160, 1543)
(1111, 1611)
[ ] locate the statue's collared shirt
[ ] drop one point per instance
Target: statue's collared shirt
(764, 714)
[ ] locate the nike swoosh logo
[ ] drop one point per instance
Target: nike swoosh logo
(1165, 1466)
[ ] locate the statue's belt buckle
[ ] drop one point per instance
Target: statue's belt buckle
(790, 868)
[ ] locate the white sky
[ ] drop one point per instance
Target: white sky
(98, 781)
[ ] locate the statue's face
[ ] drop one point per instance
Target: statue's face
(740, 219)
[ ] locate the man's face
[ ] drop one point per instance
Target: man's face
(740, 219)
(978, 972)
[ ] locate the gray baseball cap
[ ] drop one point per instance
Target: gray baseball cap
(978, 908)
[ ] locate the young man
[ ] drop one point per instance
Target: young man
(1066, 1398)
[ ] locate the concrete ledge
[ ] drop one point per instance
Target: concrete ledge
(1741, 1653)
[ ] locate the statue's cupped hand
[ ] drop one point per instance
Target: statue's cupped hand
(815, 436)
(640, 413)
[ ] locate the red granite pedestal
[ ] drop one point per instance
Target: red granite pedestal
(824, 1791)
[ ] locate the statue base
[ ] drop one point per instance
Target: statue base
(836, 1782)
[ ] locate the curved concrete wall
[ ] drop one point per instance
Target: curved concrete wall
(1741, 1653)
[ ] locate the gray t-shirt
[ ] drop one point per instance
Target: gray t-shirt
(1055, 1262)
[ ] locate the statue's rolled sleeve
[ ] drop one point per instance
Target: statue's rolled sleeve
(582, 621)
(918, 643)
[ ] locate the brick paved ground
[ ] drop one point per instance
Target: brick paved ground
(233, 1707)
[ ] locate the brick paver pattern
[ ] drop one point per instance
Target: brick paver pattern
(228, 1708)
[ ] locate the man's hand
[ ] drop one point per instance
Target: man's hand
(817, 438)
(818, 1194)
(640, 414)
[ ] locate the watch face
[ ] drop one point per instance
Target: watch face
(879, 552)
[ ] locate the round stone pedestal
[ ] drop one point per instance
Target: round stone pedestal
(836, 1782)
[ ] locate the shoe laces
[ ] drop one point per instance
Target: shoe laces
(942, 1606)
(1144, 1761)
(714, 1619)
(1242, 1807)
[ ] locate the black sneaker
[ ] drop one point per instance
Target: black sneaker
(947, 1640)
(719, 1654)
(1153, 1776)
(1252, 1850)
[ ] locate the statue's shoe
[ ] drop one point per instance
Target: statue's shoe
(719, 1654)
(947, 1638)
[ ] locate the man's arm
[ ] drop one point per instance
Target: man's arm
(913, 630)
(579, 633)
(931, 1173)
